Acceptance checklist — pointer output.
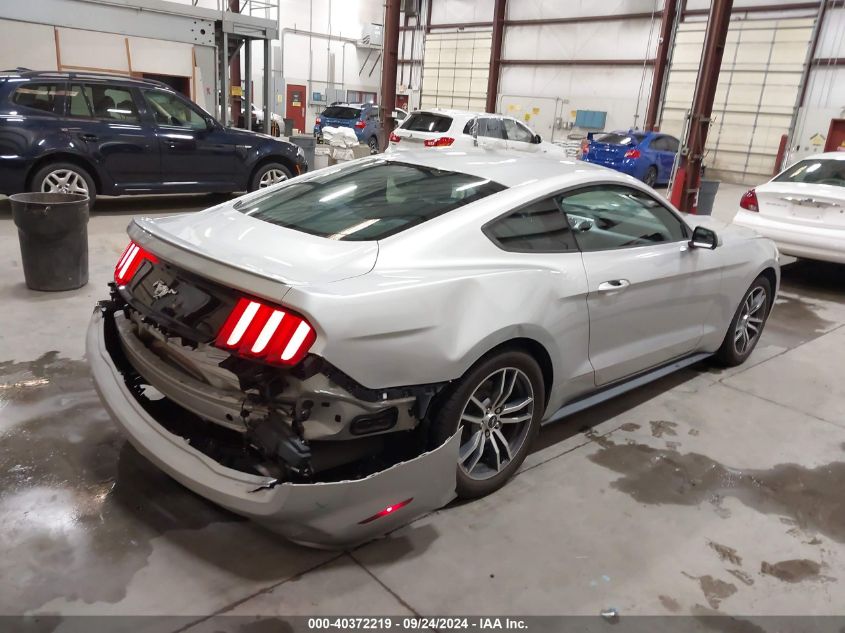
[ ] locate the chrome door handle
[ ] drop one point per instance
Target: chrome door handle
(614, 284)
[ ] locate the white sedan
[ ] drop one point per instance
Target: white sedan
(802, 209)
(460, 129)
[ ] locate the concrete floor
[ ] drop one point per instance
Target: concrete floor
(707, 492)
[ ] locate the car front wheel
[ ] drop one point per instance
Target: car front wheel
(269, 175)
(373, 144)
(497, 407)
(747, 324)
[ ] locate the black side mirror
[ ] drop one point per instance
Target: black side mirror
(704, 238)
(537, 139)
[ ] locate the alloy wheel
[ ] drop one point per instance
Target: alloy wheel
(650, 177)
(64, 181)
(495, 422)
(750, 322)
(272, 177)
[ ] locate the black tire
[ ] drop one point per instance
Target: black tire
(732, 353)
(650, 177)
(373, 145)
(263, 172)
(452, 407)
(39, 182)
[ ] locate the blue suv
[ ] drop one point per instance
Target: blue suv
(647, 156)
(361, 117)
(100, 134)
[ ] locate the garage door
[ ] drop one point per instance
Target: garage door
(455, 69)
(756, 94)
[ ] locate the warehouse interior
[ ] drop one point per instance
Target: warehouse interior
(712, 495)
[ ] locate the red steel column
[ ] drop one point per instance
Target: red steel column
(688, 178)
(661, 63)
(235, 74)
(387, 102)
(496, 54)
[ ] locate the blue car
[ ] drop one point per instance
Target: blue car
(361, 117)
(647, 156)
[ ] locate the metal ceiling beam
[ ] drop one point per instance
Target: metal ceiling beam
(688, 179)
(499, 10)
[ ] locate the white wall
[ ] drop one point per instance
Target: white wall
(825, 98)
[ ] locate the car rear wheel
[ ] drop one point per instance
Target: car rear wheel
(650, 177)
(373, 144)
(269, 175)
(64, 178)
(497, 407)
(747, 324)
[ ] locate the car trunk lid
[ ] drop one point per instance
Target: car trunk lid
(803, 204)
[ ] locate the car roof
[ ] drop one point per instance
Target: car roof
(506, 167)
(25, 73)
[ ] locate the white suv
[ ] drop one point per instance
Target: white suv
(460, 129)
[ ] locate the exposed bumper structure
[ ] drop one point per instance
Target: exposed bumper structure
(331, 514)
(813, 242)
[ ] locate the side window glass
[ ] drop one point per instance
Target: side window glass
(517, 132)
(672, 144)
(658, 143)
(491, 128)
(168, 109)
(607, 217)
(79, 105)
(540, 227)
(43, 97)
(111, 103)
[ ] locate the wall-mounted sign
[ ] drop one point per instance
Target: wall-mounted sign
(817, 139)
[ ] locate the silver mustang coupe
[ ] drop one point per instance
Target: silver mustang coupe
(340, 353)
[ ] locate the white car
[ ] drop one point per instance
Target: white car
(356, 346)
(461, 129)
(802, 209)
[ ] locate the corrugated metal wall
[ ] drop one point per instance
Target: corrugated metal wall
(756, 95)
(455, 69)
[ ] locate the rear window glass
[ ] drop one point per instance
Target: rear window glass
(341, 112)
(427, 122)
(614, 138)
(370, 201)
(817, 172)
(37, 96)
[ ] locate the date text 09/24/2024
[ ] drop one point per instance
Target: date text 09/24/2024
(416, 623)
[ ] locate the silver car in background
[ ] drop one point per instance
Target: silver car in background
(338, 354)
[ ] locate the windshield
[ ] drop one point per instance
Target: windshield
(370, 201)
(341, 112)
(816, 171)
(615, 138)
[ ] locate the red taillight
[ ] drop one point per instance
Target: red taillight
(361, 124)
(632, 153)
(394, 137)
(317, 121)
(266, 332)
(585, 147)
(748, 201)
(443, 141)
(130, 262)
(388, 510)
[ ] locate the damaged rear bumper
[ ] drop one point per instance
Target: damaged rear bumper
(333, 514)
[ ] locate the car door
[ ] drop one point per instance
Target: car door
(664, 155)
(197, 154)
(104, 119)
(649, 292)
(519, 136)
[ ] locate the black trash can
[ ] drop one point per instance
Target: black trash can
(707, 196)
(53, 233)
